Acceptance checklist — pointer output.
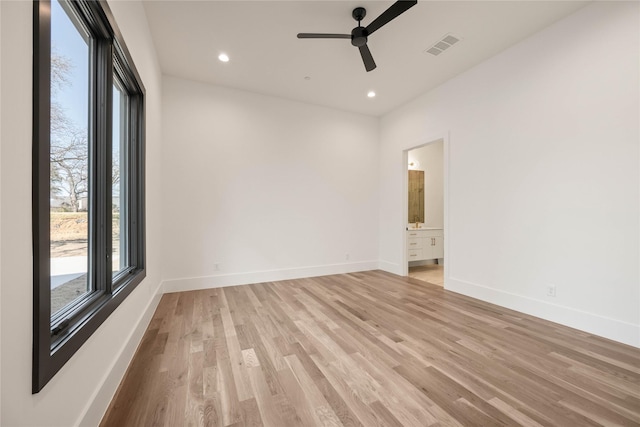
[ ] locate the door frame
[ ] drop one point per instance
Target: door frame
(444, 137)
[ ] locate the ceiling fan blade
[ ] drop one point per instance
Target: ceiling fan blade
(323, 36)
(369, 63)
(393, 12)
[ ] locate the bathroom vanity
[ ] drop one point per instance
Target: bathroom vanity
(425, 243)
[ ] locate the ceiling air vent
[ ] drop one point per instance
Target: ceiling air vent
(443, 44)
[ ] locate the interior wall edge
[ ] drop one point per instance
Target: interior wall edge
(0, 223)
(493, 148)
(237, 279)
(390, 267)
(613, 329)
(106, 390)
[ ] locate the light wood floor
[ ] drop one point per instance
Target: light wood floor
(432, 273)
(369, 349)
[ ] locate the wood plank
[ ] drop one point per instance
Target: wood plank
(367, 349)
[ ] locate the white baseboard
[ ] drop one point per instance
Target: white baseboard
(99, 402)
(613, 329)
(222, 280)
(390, 267)
(603, 326)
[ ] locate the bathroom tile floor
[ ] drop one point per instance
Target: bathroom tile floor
(432, 273)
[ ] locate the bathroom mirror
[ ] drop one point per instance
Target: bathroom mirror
(416, 196)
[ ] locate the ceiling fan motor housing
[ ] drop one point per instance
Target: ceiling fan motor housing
(359, 36)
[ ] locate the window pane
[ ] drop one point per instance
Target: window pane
(119, 181)
(69, 158)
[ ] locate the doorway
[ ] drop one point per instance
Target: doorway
(425, 212)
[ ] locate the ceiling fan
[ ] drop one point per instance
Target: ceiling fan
(359, 34)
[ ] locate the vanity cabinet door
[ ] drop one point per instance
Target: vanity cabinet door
(425, 244)
(437, 247)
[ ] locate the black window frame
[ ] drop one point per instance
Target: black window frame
(57, 338)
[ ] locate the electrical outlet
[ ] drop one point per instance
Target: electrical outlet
(216, 267)
(346, 257)
(551, 290)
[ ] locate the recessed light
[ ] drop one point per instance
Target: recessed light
(223, 57)
(371, 94)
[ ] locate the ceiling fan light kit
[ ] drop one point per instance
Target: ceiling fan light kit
(359, 35)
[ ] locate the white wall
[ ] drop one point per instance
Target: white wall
(82, 389)
(264, 187)
(543, 173)
(431, 158)
(1, 213)
(543, 179)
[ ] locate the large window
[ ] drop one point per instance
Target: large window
(88, 177)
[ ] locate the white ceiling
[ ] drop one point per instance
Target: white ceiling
(267, 58)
